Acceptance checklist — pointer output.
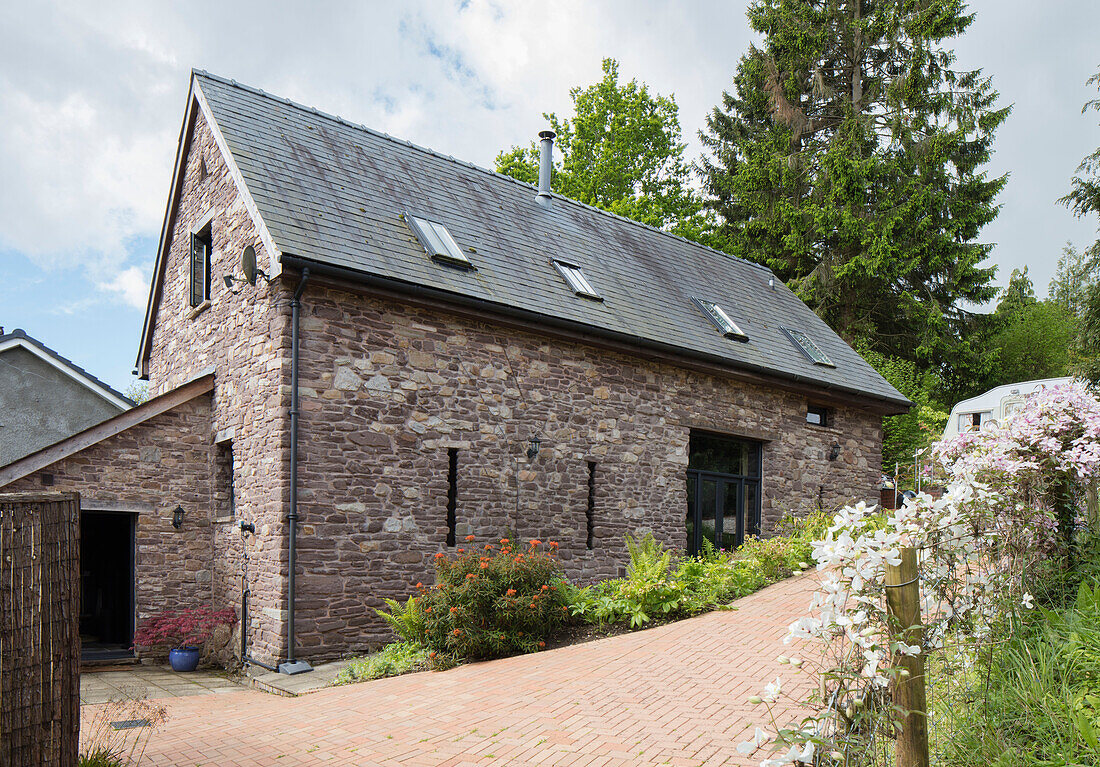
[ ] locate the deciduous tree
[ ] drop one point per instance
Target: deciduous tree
(621, 151)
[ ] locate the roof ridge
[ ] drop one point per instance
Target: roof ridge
(467, 164)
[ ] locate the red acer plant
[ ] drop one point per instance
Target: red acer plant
(182, 628)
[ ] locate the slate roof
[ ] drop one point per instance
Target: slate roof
(333, 192)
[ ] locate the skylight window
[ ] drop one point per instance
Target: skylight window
(807, 346)
(721, 320)
(437, 241)
(577, 281)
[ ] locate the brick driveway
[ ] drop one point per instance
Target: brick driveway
(671, 695)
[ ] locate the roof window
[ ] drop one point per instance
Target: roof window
(437, 241)
(807, 346)
(577, 281)
(721, 320)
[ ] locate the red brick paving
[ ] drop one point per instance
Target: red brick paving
(672, 695)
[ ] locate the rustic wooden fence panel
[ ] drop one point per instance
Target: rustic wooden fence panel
(39, 629)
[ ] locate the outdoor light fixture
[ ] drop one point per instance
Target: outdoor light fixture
(177, 517)
(533, 448)
(834, 451)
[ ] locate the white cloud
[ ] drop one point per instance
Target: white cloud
(131, 285)
(91, 95)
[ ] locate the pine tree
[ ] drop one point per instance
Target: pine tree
(848, 158)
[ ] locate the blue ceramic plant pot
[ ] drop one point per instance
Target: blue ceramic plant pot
(184, 658)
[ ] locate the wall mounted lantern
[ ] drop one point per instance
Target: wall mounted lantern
(834, 451)
(177, 517)
(533, 448)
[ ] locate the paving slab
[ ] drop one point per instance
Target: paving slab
(674, 694)
(149, 682)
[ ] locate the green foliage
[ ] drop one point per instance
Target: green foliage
(1038, 701)
(849, 158)
(393, 659)
(1075, 274)
(621, 152)
(1028, 339)
(1035, 343)
(493, 601)
(407, 621)
(903, 435)
(654, 590)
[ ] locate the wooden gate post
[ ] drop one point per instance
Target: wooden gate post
(903, 603)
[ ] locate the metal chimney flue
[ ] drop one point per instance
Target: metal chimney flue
(546, 167)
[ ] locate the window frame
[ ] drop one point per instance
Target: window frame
(721, 319)
(576, 279)
(800, 339)
(426, 229)
(825, 414)
(202, 238)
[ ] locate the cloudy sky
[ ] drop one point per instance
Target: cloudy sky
(92, 96)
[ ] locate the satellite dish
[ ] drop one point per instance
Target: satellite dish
(248, 264)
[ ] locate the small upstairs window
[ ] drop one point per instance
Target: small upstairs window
(816, 415)
(200, 266)
(577, 281)
(721, 320)
(807, 346)
(437, 241)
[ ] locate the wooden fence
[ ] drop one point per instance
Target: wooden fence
(39, 629)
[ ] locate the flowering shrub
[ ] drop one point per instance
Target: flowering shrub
(980, 547)
(496, 599)
(183, 628)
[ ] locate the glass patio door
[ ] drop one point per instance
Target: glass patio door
(723, 483)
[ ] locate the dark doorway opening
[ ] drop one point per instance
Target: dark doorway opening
(723, 484)
(106, 584)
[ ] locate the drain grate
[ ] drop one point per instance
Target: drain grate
(129, 724)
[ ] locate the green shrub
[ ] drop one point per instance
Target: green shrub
(408, 621)
(493, 601)
(393, 659)
(1035, 698)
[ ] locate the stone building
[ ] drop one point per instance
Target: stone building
(470, 357)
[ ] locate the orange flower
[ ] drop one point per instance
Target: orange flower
(470, 576)
(469, 537)
(484, 565)
(458, 632)
(454, 610)
(510, 592)
(504, 540)
(420, 585)
(534, 542)
(431, 654)
(532, 605)
(553, 544)
(542, 644)
(439, 555)
(461, 551)
(488, 547)
(545, 587)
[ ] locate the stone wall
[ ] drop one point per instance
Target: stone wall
(388, 389)
(149, 469)
(244, 336)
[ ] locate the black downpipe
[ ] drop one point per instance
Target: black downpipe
(292, 665)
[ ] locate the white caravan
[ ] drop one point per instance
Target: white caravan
(992, 407)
